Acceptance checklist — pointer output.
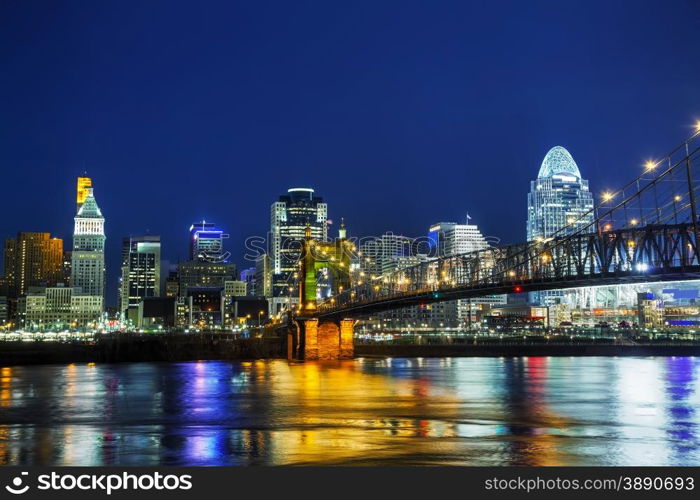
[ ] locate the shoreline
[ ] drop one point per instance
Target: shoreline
(181, 347)
(515, 350)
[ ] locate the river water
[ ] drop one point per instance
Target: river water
(430, 411)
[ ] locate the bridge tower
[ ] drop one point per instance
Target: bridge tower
(312, 337)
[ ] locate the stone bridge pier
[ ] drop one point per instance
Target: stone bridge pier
(319, 339)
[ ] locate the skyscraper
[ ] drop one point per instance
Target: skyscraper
(140, 270)
(558, 198)
(290, 215)
(88, 257)
(207, 243)
(384, 254)
(450, 238)
(32, 259)
(559, 203)
(84, 183)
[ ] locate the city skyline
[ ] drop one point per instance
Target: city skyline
(417, 105)
(353, 235)
(235, 248)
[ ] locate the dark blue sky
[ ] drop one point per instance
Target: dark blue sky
(400, 114)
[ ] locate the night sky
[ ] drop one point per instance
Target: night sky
(400, 114)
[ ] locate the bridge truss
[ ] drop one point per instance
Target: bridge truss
(645, 231)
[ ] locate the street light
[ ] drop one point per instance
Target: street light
(259, 316)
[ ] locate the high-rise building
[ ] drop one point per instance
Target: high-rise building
(84, 183)
(141, 272)
(88, 257)
(207, 243)
(559, 203)
(32, 259)
(263, 276)
(290, 215)
(384, 254)
(451, 238)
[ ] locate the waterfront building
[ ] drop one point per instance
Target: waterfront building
(58, 308)
(88, 257)
(141, 271)
(290, 216)
(32, 259)
(4, 313)
(248, 310)
(559, 203)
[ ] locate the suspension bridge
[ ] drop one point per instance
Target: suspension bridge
(646, 231)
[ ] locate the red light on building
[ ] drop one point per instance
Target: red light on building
(518, 289)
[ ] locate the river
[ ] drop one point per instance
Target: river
(400, 411)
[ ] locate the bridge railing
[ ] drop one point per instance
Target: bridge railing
(646, 227)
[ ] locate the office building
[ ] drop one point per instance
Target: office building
(290, 216)
(141, 271)
(88, 257)
(207, 243)
(32, 259)
(384, 254)
(58, 308)
(559, 203)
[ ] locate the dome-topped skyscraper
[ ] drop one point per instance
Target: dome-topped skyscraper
(559, 202)
(558, 161)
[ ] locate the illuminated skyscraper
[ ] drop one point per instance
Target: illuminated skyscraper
(88, 257)
(32, 259)
(207, 243)
(558, 198)
(290, 215)
(84, 183)
(140, 270)
(559, 203)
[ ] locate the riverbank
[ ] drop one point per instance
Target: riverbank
(530, 349)
(193, 347)
(127, 347)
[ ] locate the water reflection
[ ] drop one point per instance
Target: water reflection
(449, 411)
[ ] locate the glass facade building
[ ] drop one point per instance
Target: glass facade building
(290, 215)
(140, 270)
(559, 203)
(207, 243)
